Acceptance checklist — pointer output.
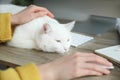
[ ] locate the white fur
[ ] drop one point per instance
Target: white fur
(42, 33)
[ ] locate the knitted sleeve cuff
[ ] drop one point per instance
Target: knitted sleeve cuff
(9, 74)
(28, 72)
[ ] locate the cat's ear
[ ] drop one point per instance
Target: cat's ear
(46, 28)
(70, 25)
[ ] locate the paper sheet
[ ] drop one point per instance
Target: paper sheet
(79, 39)
(113, 52)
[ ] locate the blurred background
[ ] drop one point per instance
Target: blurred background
(75, 9)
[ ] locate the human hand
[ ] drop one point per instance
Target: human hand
(73, 66)
(31, 12)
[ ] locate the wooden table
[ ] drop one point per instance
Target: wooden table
(15, 56)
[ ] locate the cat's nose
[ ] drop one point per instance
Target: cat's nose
(65, 49)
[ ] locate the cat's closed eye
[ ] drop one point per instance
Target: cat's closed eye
(58, 41)
(68, 40)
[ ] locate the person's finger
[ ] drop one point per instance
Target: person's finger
(98, 60)
(81, 57)
(38, 9)
(86, 72)
(48, 13)
(96, 67)
(39, 14)
(91, 72)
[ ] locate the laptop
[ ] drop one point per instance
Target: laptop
(95, 25)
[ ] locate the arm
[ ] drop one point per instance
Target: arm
(73, 66)
(7, 20)
(30, 13)
(65, 68)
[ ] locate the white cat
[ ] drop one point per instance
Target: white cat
(43, 33)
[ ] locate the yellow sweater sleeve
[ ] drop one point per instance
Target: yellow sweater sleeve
(26, 72)
(5, 27)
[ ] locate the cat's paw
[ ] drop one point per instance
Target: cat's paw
(63, 52)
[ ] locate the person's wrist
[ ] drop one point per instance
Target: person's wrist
(47, 72)
(14, 20)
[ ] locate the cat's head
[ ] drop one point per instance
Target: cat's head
(55, 37)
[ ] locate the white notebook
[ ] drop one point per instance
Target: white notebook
(79, 39)
(112, 52)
